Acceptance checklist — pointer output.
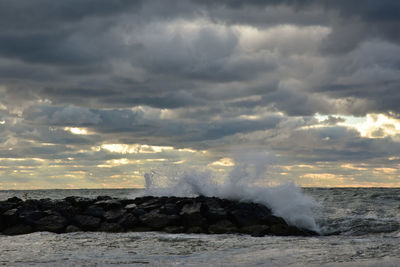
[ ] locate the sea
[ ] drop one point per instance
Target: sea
(358, 226)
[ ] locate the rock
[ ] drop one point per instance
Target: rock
(87, 222)
(81, 202)
(222, 227)
(169, 209)
(174, 229)
(195, 230)
(245, 214)
(5, 206)
(111, 227)
(191, 214)
(72, 229)
(170, 214)
(10, 217)
(101, 198)
(131, 206)
(18, 229)
(157, 220)
(14, 200)
(31, 216)
(95, 211)
(113, 215)
(256, 230)
(108, 204)
(51, 223)
(129, 221)
(213, 210)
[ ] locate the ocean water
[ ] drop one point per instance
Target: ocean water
(359, 227)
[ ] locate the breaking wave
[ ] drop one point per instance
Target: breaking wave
(285, 200)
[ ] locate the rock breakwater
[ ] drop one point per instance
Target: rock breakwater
(201, 214)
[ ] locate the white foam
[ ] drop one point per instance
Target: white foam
(286, 200)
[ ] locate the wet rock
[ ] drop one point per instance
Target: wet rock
(157, 220)
(10, 217)
(14, 200)
(95, 211)
(169, 209)
(245, 214)
(87, 222)
(113, 215)
(129, 221)
(18, 229)
(51, 223)
(131, 206)
(72, 229)
(191, 214)
(222, 227)
(110, 227)
(31, 216)
(5, 206)
(108, 204)
(81, 202)
(170, 214)
(256, 230)
(174, 229)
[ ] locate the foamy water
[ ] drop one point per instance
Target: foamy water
(366, 222)
(286, 200)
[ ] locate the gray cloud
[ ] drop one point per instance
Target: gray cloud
(206, 75)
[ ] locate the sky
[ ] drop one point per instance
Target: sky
(96, 93)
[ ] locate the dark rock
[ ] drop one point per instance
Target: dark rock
(191, 214)
(95, 211)
(256, 230)
(157, 220)
(101, 198)
(10, 217)
(114, 215)
(108, 204)
(5, 206)
(31, 216)
(129, 221)
(72, 229)
(169, 214)
(245, 214)
(131, 206)
(170, 209)
(196, 230)
(51, 223)
(151, 204)
(222, 227)
(14, 200)
(81, 202)
(87, 222)
(174, 229)
(213, 210)
(111, 227)
(18, 229)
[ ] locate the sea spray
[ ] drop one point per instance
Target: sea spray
(285, 200)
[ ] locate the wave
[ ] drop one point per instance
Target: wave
(286, 200)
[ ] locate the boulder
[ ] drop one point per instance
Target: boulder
(110, 227)
(222, 227)
(191, 214)
(113, 215)
(86, 222)
(18, 229)
(129, 221)
(158, 220)
(51, 223)
(108, 204)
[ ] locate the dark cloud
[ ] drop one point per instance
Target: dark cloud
(205, 75)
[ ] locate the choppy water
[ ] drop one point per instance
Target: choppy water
(365, 224)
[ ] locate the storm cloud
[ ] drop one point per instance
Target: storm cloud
(316, 83)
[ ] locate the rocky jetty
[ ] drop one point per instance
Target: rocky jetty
(208, 215)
